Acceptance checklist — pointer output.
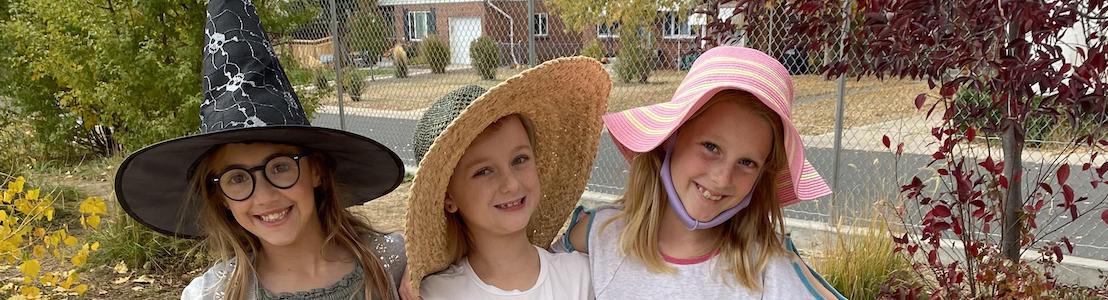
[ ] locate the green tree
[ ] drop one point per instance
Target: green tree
(579, 15)
(369, 32)
(486, 57)
(110, 75)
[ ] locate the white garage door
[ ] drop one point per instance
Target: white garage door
(462, 32)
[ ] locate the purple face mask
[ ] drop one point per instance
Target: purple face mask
(675, 201)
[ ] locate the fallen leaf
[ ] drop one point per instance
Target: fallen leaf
(138, 288)
(143, 279)
(120, 268)
(121, 280)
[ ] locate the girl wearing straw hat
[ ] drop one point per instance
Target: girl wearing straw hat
(264, 188)
(710, 172)
(500, 171)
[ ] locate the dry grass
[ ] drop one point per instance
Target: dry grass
(885, 102)
(859, 258)
(869, 100)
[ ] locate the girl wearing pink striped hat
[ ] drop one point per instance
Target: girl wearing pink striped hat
(701, 216)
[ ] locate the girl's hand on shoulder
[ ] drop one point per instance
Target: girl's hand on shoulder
(579, 234)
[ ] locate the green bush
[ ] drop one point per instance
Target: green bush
(353, 84)
(634, 63)
(593, 49)
(400, 61)
(370, 34)
(139, 247)
(486, 57)
(1036, 127)
(436, 52)
(18, 138)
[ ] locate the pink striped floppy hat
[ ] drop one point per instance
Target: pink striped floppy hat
(643, 129)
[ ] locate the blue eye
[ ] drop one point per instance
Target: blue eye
(519, 160)
(710, 146)
(747, 163)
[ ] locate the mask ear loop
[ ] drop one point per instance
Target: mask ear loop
(675, 200)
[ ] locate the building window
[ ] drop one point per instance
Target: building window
(542, 26)
(608, 30)
(419, 24)
(676, 27)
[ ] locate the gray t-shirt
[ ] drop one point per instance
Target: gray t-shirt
(389, 249)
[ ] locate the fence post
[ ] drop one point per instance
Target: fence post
(532, 60)
(840, 104)
(336, 61)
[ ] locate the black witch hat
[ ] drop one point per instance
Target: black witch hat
(247, 98)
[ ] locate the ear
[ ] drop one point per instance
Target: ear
(449, 205)
(317, 179)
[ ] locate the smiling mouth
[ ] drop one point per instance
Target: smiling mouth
(275, 216)
(512, 204)
(708, 194)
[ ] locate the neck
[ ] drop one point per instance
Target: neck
(676, 240)
(307, 255)
(505, 261)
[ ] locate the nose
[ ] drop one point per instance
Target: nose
(721, 174)
(510, 183)
(263, 189)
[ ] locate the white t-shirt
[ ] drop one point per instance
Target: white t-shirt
(616, 276)
(561, 276)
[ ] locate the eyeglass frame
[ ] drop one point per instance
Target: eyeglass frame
(214, 180)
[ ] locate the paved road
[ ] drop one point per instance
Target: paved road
(866, 176)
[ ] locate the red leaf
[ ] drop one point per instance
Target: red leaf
(1057, 252)
(957, 226)
(912, 249)
(1063, 174)
(1086, 166)
(885, 141)
(1046, 187)
(1073, 211)
(1003, 181)
(938, 155)
(920, 99)
(933, 257)
(901, 239)
(899, 148)
(971, 134)
(1069, 246)
(1067, 193)
(940, 211)
(943, 172)
(940, 226)
(1104, 216)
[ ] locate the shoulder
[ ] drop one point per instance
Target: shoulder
(209, 284)
(445, 283)
(566, 260)
(389, 249)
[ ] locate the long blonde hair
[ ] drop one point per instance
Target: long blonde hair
(748, 240)
(228, 240)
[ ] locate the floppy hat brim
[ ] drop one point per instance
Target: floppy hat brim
(152, 184)
(563, 99)
(642, 129)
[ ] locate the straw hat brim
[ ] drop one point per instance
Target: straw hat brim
(152, 184)
(563, 99)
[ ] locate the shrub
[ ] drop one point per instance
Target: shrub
(400, 61)
(1038, 127)
(436, 52)
(353, 84)
(860, 258)
(31, 238)
(634, 58)
(593, 49)
(18, 139)
(138, 246)
(486, 57)
(369, 34)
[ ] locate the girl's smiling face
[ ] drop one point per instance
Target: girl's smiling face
(718, 157)
(495, 186)
(277, 216)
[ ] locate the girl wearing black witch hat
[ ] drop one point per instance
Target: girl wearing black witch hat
(263, 188)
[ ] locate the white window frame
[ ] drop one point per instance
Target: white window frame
(613, 30)
(413, 27)
(674, 28)
(541, 28)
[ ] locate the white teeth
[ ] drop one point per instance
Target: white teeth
(274, 216)
(708, 195)
(510, 204)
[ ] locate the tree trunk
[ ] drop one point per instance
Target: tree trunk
(1013, 140)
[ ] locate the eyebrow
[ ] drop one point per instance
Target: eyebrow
(264, 161)
(486, 159)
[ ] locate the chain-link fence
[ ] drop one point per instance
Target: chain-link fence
(389, 60)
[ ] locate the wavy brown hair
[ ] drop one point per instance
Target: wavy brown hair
(748, 240)
(228, 240)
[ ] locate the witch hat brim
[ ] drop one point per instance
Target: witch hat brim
(152, 185)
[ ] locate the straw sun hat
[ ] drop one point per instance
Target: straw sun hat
(562, 99)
